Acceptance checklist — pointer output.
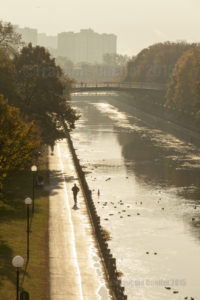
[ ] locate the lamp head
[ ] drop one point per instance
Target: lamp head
(34, 168)
(28, 201)
(18, 261)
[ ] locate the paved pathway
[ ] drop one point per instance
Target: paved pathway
(76, 270)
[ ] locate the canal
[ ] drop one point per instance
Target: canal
(149, 185)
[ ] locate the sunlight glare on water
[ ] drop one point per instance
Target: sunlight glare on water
(149, 184)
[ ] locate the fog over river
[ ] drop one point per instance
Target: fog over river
(149, 201)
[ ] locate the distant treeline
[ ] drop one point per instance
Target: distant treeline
(112, 68)
(175, 64)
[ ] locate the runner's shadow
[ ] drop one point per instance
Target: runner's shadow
(70, 178)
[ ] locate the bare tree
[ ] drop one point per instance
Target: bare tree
(9, 39)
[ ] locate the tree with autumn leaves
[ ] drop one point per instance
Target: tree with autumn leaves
(178, 66)
(184, 84)
(44, 93)
(8, 77)
(156, 62)
(37, 107)
(19, 140)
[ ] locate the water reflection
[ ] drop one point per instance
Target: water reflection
(155, 165)
(149, 197)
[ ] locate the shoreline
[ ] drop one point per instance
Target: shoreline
(109, 261)
(155, 115)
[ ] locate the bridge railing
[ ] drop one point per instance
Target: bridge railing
(119, 86)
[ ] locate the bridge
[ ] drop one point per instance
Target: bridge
(117, 86)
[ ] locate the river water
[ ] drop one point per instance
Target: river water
(149, 183)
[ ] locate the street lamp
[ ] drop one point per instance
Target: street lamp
(28, 202)
(34, 170)
(18, 263)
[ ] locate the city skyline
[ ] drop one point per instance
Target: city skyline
(84, 46)
(137, 24)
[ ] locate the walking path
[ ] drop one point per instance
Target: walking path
(76, 270)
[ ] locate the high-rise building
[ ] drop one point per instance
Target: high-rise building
(48, 41)
(109, 42)
(29, 35)
(86, 46)
(66, 45)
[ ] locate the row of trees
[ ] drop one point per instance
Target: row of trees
(112, 68)
(34, 103)
(175, 64)
(156, 63)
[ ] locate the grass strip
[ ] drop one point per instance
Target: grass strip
(13, 234)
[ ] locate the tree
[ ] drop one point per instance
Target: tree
(9, 39)
(45, 93)
(184, 85)
(19, 140)
(65, 63)
(156, 63)
(113, 59)
(8, 80)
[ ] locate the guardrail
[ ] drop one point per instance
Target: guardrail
(109, 261)
(117, 86)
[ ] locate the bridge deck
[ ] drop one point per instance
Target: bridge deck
(118, 86)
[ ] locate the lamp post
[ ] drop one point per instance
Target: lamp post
(28, 202)
(34, 170)
(18, 263)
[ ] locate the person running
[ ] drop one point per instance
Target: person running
(75, 191)
(52, 148)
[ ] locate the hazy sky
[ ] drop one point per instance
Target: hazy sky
(137, 23)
